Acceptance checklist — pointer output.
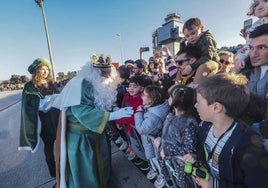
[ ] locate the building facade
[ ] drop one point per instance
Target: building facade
(169, 34)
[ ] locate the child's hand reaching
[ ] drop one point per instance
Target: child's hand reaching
(139, 109)
(243, 33)
(166, 50)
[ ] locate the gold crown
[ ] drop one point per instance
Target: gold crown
(101, 61)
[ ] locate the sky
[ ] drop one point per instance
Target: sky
(79, 28)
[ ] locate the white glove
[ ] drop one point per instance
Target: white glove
(45, 104)
(116, 108)
(123, 112)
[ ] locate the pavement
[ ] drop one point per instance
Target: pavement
(22, 169)
(9, 98)
(128, 175)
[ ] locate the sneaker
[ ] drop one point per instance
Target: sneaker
(131, 156)
(144, 166)
(160, 182)
(119, 140)
(151, 174)
(138, 161)
(123, 146)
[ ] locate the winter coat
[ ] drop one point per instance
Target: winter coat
(180, 137)
(207, 46)
(243, 161)
(29, 134)
(257, 86)
(149, 125)
(128, 122)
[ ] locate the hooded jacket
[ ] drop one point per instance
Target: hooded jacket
(149, 125)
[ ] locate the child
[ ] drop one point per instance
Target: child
(124, 74)
(235, 154)
(149, 120)
(258, 8)
(132, 98)
(206, 44)
(179, 137)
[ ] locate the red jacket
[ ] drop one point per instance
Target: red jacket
(128, 122)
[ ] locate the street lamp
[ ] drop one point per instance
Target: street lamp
(121, 51)
(40, 3)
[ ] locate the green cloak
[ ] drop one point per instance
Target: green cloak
(30, 128)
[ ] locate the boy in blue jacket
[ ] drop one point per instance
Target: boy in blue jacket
(234, 154)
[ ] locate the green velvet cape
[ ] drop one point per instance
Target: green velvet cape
(29, 126)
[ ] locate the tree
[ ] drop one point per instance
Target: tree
(71, 74)
(24, 79)
(60, 76)
(6, 82)
(15, 79)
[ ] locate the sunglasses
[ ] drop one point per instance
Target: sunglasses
(222, 61)
(180, 62)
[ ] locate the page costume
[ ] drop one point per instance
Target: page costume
(37, 122)
(30, 117)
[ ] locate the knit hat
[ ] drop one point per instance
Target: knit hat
(38, 62)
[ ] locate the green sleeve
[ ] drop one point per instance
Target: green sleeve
(29, 116)
(86, 114)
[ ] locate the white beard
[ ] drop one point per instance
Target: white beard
(104, 89)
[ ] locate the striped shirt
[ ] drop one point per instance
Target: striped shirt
(171, 68)
(210, 143)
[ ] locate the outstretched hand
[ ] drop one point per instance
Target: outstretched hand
(123, 112)
(243, 33)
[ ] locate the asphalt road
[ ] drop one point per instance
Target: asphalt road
(18, 169)
(9, 98)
